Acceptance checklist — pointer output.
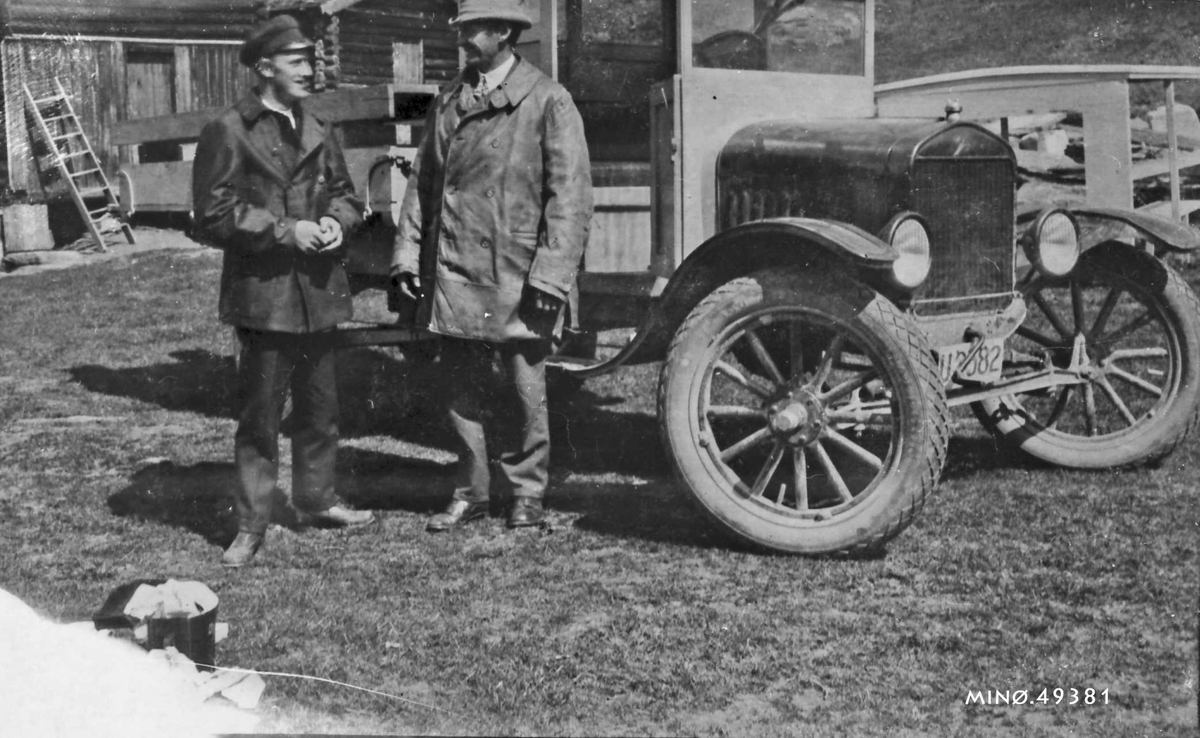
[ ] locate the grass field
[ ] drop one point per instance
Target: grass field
(630, 616)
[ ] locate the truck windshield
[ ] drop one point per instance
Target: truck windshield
(812, 36)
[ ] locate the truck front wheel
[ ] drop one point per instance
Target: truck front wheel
(804, 413)
(1131, 327)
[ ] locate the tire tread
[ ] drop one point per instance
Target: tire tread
(925, 369)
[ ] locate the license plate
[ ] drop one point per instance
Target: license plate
(959, 362)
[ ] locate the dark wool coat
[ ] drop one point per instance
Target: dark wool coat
(500, 197)
(249, 187)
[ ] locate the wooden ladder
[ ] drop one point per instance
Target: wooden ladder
(76, 160)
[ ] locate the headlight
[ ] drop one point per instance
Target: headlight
(907, 234)
(1052, 243)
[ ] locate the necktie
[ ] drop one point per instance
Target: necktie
(481, 89)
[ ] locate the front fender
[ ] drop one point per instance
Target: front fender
(837, 239)
(844, 251)
(1098, 225)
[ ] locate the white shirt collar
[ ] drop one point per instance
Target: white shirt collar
(497, 75)
(285, 112)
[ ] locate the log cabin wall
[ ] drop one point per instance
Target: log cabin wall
(109, 80)
(367, 30)
(356, 37)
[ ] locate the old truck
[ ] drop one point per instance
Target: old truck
(823, 285)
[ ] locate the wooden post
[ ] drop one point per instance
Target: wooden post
(408, 62)
(869, 40)
(1172, 148)
(184, 97)
(683, 38)
(548, 38)
(408, 67)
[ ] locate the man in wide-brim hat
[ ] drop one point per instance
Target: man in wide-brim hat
(271, 188)
(492, 232)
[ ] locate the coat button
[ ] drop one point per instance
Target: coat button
(486, 243)
(491, 192)
(495, 143)
(451, 189)
(321, 179)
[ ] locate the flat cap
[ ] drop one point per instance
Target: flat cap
(513, 11)
(279, 34)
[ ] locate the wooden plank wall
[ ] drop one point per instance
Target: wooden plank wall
(368, 30)
(94, 73)
(218, 80)
(150, 83)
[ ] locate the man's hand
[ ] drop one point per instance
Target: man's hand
(308, 237)
(408, 284)
(331, 233)
(541, 303)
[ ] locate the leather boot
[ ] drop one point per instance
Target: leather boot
(241, 550)
(458, 513)
(526, 512)
(339, 517)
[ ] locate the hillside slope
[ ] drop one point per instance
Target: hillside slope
(921, 37)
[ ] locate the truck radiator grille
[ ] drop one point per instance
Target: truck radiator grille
(968, 205)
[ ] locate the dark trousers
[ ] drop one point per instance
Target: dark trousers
(498, 400)
(271, 363)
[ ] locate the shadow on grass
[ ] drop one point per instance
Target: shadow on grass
(661, 513)
(197, 381)
(381, 396)
(657, 513)
(196, 498)
(199, 497)
(376, 481)
(205, 383)
(969, 456)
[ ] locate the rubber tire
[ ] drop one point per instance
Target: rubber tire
(890, 502)
(1148, 442)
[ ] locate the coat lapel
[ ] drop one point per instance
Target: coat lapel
(521, 80)
(251, 109)
(312, 135)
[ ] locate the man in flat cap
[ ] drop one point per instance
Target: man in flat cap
(492, 231)
(270, 188)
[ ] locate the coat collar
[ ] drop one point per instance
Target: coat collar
(521, 80)
(312, 128)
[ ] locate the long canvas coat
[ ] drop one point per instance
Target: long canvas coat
(248, 191)
(500, 197)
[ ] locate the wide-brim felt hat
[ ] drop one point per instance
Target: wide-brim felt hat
(513, 11)
(275, 36)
